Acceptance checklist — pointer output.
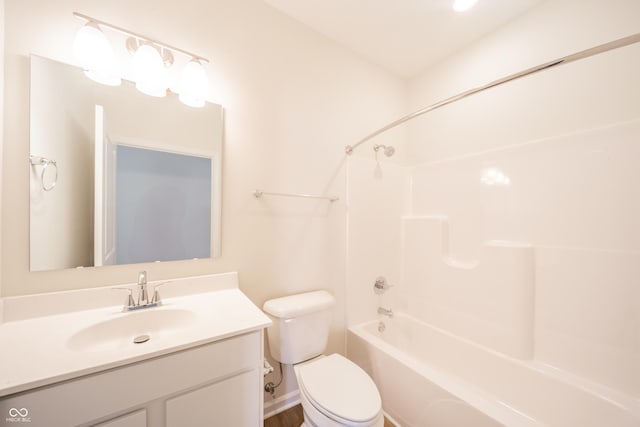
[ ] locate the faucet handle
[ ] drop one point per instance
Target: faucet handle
(381, 285)
(130, 302)
(156, 295)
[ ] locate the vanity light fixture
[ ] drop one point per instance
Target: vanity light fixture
(463, 5)
(150, 61)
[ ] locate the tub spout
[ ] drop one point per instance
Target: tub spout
(385, 311)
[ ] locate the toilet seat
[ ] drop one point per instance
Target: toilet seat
(341, 390)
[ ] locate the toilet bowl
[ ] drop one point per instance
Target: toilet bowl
(336, 392)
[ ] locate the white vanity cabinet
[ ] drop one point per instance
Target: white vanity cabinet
(213, 384)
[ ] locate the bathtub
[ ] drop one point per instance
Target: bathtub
(428, 377)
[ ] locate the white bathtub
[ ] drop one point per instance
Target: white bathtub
(430, 378)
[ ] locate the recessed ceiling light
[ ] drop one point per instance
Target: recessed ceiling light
(463, 5)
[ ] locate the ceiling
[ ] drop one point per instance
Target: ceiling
(403, 36)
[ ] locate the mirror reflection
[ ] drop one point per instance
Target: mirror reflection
(118, 177)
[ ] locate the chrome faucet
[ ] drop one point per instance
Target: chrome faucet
(385, 311)
(143, 300)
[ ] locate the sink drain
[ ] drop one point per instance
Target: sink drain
(141, 338)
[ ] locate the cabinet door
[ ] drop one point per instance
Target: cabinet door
(232, 402)
(135, 419)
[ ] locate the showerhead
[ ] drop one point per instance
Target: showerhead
(388, 150)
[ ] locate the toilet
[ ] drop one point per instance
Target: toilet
(334, 391)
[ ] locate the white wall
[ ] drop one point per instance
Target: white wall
(293, 100)
(567, 139)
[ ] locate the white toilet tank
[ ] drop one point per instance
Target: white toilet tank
(300, 326)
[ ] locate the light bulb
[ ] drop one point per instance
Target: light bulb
(193, 84)
(149, 72)
(95, 55)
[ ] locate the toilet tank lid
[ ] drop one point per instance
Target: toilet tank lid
(299, 304)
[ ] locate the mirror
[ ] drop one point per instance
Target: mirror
(119, 177)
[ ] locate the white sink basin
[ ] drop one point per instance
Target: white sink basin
(120, 332)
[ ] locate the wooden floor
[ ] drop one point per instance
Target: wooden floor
(293, 418)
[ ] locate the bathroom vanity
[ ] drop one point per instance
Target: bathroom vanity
(202, 364)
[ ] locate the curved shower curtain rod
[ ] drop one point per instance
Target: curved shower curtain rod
(625, 41)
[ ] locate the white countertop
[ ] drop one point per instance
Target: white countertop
(36, 350)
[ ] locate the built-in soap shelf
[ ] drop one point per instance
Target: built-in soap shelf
(442, 222)
(489, 300)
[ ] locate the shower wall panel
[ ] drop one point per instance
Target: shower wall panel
(576, 199)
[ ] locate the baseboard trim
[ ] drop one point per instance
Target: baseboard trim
(281, 403)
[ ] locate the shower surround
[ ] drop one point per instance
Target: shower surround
(528, 252)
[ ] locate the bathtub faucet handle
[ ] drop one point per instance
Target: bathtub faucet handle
(381, 285)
